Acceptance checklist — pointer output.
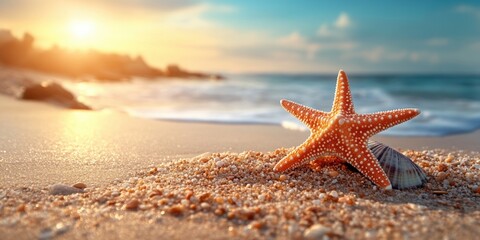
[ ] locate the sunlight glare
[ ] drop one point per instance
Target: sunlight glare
(82, 28)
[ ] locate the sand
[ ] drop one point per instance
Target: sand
(155, 179)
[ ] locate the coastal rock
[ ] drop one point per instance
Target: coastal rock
(61, 189)
(52, 92)
(86, 65)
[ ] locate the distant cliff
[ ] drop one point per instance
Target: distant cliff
(101, 66)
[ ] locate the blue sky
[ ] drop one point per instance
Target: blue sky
(268, 36)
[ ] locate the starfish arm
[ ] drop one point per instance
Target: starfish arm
(365, 162)
(374, 123)
(311, 117)
(343, 98)
(309, 150)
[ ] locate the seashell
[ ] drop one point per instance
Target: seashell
(401, 170)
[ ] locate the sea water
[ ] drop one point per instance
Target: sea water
(449, 104)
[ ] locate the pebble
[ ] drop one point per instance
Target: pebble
(205, 205)
(176, 210)
(21, 208)
(321, 196)
(80, 185)
(333, 173)
(132, 204)
(441, 176)
(334, 194)
(449, 158)
(220, 163)
(185, 202)
(61, 228)
(61, 189)
(46, 234)
(317, 231)
(442, 167)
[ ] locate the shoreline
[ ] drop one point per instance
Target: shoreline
(41, 141)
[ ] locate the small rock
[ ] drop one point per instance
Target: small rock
(132, 204)
(317, 231)
(441, 176)
(21, 208)
(449, 158)
(61, 189)
(61, 228)
(80, 185)
(283, 177)
(333, 173)
(349, 200)
(442, 167)
(220, 164)
(334, 194)
(46, 234)
(185, 202)
(176, 210)
(205, 205)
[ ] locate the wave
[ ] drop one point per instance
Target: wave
(449, 106)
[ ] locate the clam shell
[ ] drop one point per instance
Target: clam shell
(401, 170)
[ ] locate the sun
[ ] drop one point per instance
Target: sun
(82, 29)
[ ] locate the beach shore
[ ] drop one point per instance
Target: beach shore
(160, 179)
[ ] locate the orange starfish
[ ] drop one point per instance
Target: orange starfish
(342, 133)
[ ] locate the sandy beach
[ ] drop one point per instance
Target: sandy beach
(175, 180)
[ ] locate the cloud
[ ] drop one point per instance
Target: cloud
(382, 54)
(324, 30)
(437, 42)
(297, 41)
(335, 29)
(468, 9)
(193, 16)
(343, 21)
(294, 39)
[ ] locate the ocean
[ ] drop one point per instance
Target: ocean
(449, 104)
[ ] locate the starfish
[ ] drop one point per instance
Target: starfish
(342, 134)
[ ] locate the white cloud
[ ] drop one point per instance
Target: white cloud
(374, 55)
(475, 45)
(437, 42)
(382, 54)
(335, 29)
(468, 9)
(324, 30)
(294, 39)
(343, 21)
(297, 41)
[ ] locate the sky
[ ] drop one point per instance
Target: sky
(263, 36)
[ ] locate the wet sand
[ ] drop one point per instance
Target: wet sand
(154, 179)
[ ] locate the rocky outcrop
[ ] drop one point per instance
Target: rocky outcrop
(177, 72)
(82, 65)
(52, 92)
